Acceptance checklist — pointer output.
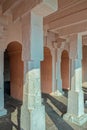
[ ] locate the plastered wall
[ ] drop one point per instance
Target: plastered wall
(65, 69)
(16, 70)
(84, 66)
(46, 72)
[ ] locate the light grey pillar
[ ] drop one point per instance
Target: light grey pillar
(75, 111)
(54, 81)
(59, 80)
(2, 110)
(33, 112)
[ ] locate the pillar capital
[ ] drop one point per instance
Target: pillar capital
(53, 52)
(59, 51)
(46, 7)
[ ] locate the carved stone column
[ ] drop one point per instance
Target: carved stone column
(2, 110)
(33, 112)
(75, 111)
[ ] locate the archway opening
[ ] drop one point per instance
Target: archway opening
(13, 70)
(46, 72)
(65, 70)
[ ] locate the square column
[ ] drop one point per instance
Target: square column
(75, 111)
(56, 71)
(37, 110)
(54, 80)
(33, 112)
(59, 80)
(2, 110)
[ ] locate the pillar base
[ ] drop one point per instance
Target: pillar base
(57, 93)
(3, 112)
(33, 119)
(74, 119)
(37, 118)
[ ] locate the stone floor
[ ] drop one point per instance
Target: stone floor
(54, 119)
(56, 107)
(54, 114)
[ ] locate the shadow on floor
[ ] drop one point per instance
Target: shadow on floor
(59, 105)
(11, 105)
(57, 119)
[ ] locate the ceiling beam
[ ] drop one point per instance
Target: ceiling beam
(82, 5)
(7, 5)
(69, 20)
(77, 28)
(24, 7)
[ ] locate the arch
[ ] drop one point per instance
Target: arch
(15, 68)
(14, 45)
(84, 66)
(46, 72)
(65, 70)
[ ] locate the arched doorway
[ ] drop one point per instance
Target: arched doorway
(46, 72)
(65, 70)
(84, 66)
(13, 70)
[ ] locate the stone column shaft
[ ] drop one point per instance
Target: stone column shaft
(32, 25)
(76, 75)
(75, 111)
(59, 80)
(54, 81)
(2, 110)
(76, 92)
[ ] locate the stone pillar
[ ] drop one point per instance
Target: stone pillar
(37, 110)
(2, 110)
(54, 81)
(75, 111)
(59, 80)
(33, 112)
